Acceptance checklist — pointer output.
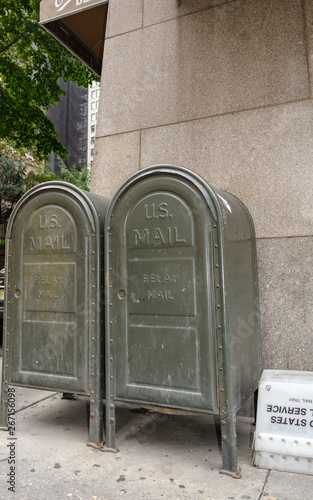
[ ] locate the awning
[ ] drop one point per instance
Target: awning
(79, 25)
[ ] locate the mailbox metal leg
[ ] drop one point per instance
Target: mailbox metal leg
(110, 419)
(96, 422)
(110, 433)
(110, 402)
(110, 422)
(4, 390)
(4, 411)
(96, 400)
(229, 445)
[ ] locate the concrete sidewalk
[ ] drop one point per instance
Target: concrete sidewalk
(175, 457)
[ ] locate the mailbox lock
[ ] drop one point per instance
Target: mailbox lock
(121, 294)
(17, 293)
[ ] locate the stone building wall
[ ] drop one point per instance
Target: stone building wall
(223, 88)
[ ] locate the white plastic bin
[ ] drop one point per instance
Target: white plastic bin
(284, 430)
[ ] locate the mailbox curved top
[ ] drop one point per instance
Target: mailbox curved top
(220, 202)
(94, 206)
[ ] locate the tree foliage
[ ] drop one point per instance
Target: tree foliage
(80, 178)
(12, 186)
(14, 182)
(38, 176)
(31, 62)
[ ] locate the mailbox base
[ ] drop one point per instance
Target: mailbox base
(228, 436)
(235, 475)
(111, 450)
(96, 446)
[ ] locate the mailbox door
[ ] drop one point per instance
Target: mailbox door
(162, 321)
(48, 293)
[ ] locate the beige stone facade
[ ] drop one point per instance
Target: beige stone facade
(224, 89)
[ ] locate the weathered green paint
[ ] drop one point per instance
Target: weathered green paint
(182, 302)
(54, 296)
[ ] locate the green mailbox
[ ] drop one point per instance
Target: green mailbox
(54, 295)
(182, 320)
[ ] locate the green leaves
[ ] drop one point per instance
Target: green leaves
(80, 178)
(11, 186)
(14, 181)
(31, 62)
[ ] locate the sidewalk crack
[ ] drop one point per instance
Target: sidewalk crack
(265, 483)
(35, 402)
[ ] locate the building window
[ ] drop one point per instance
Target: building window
(98, 92)
(93, 117)
(93, 128)
(91, 152)
(93, 105)
(93, 94)
(92, 140)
